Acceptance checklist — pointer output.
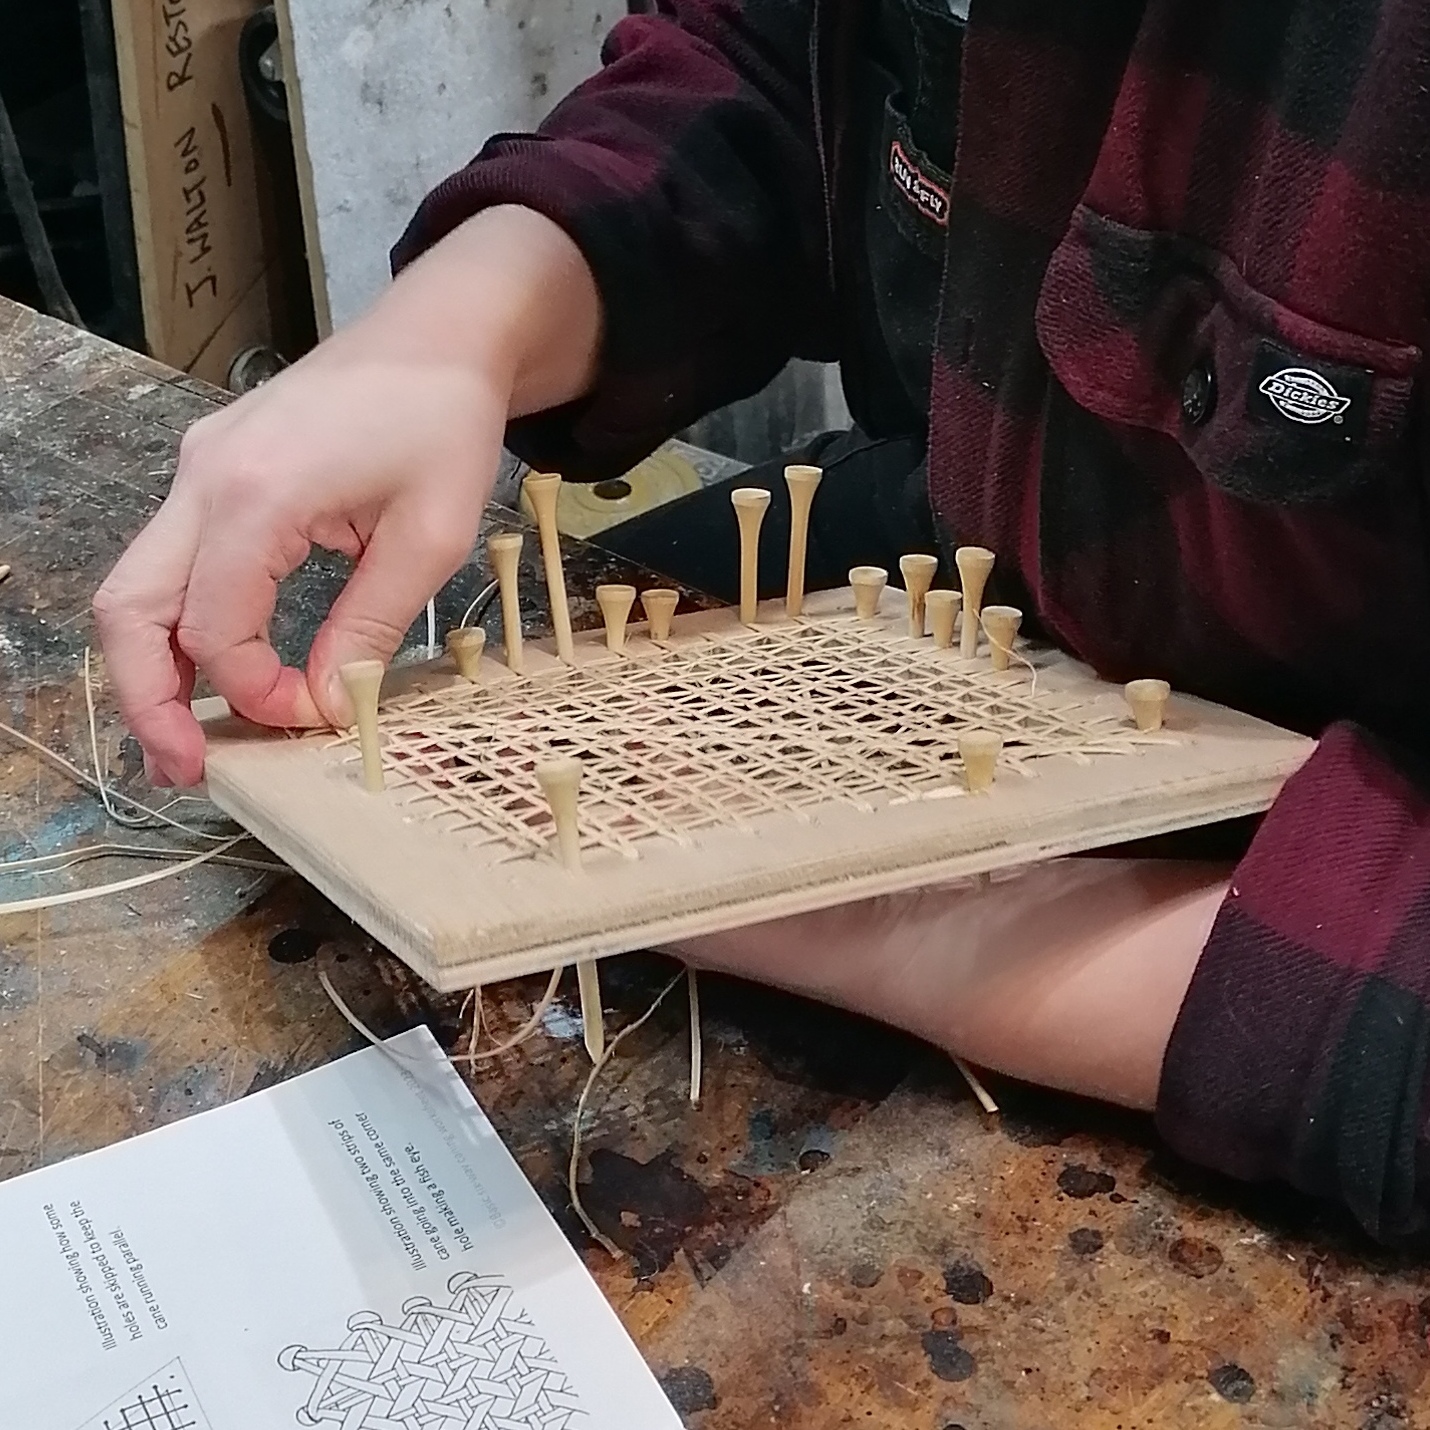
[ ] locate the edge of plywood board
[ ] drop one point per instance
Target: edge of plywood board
(460, 915)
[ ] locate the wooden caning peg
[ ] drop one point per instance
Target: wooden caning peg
(362, 679)
(942, 607)
(750, 505)
(803, 483)
(560, 782)
(593, 1017)
(1000, 624)
(1148, 699)
(615, 603)
(659, 605)
(465, 645)
(979, 751)
(974, 563)
(917, 571)
(544, 491)
(868, 584)
(504, 550)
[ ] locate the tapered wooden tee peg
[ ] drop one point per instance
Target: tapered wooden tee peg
(979, 751)
(974, 563)
(750, 505)
(362, 679)
(593, 1018)
(1001, 624)
(544, 491)
(917, 571)
(942, 607)
(803, 482)
(659, 605)
(1148, 699)
(560, 782)
(504, 550)
(465, 645)
(615, 603)
(868, 584)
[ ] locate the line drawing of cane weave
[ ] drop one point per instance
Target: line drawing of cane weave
(153, 1408)
(476, 1363)
(165, 1400)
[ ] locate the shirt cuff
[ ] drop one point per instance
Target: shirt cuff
(1300, 1052)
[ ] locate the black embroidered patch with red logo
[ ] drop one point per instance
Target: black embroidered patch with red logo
(928, 197)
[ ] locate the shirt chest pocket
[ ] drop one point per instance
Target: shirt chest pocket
(1156, 331)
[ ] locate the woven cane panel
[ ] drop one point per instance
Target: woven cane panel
(723, 729)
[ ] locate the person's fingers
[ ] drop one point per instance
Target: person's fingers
(414, 550)
(187, 678)
(135, 612)
(223, 625)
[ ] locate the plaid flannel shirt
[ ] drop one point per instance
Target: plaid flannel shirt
(1174, 386)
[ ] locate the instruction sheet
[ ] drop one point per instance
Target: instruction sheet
(353, 1248)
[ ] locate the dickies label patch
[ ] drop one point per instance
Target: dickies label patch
(1301, 395)
(928, 197)
(1324, 401)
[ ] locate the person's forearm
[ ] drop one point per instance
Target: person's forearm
(1082, 992)
(1070, 975)
(508, 294)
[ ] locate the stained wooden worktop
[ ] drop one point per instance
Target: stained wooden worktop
(835, 1238)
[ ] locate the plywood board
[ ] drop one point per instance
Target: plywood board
(387, 100)
(731, 774)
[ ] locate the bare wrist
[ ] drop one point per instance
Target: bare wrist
(507, 295)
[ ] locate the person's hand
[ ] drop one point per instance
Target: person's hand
(382, 444)
(388, 462)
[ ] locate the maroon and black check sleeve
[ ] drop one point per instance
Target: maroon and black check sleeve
(1301, 1049)
(1177, 386)
(686, 172)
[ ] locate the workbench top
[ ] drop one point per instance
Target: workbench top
(836, 1237)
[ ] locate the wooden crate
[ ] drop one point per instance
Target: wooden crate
(203, 199)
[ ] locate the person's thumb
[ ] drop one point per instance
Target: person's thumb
(411, 555)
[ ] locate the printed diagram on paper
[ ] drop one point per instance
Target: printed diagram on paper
(288, 1286)
(165, 1401)
(475, 1363)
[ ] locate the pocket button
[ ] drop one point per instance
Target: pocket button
(1198, 394)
